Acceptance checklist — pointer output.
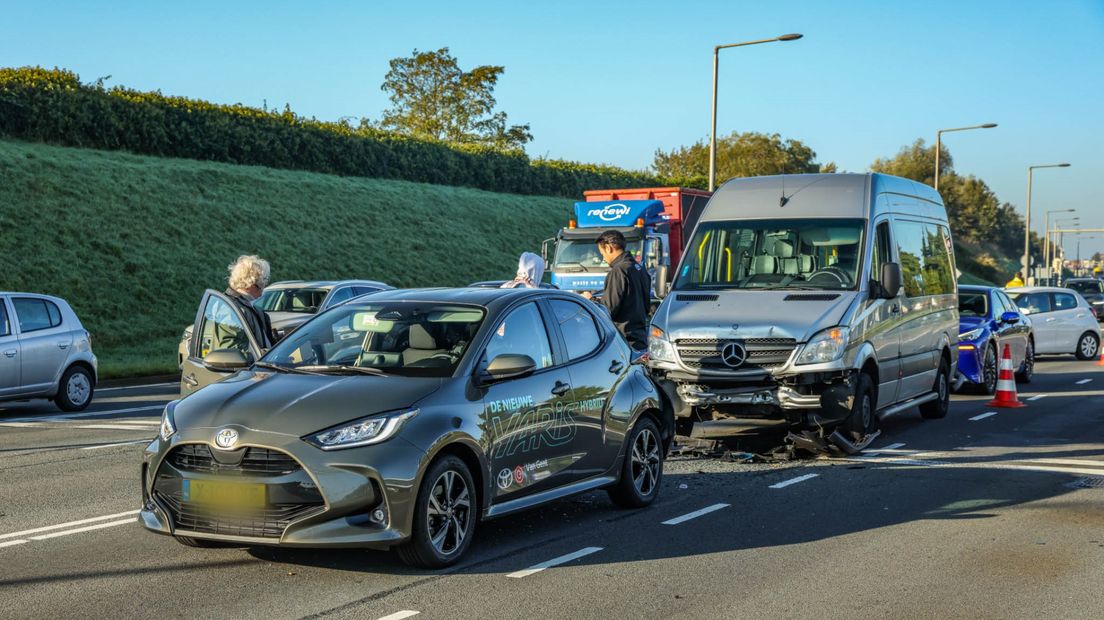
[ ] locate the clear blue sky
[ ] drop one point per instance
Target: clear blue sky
(613, 81)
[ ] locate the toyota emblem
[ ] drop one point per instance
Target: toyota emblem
(733, 355)
(505, 478)
(226, 438)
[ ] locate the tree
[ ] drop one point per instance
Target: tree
(738, 155)
(916, 162)
(432, 98)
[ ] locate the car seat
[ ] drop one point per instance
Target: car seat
(786, 259)
(422, 346)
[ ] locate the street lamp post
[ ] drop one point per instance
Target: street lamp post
(1046, 242)
(713, 119)
(1027, 219)
(939, 144)
(1056, 243)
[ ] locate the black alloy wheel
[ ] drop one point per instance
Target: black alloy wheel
(444, 517)
(642, 469)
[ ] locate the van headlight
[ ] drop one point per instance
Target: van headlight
(826, 346)
(659, 348)
(168, 425)
(362, 432)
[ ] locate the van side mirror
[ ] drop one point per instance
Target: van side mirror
(509, 366)
(225, 360)
(890, 280)
(661, 285)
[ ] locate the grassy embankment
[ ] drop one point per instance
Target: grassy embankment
(132, 241)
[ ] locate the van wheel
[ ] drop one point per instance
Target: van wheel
(1088, 345)
(863, 419)
(642, 469)
(1027, 369)
(933, 410)
(444, 516)
(75, 389)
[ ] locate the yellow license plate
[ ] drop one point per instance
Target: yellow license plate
(220, 493)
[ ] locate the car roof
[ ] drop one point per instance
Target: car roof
(1068, 280)
(1038, 289)
(976, 288)
(35, 295)
(488, 297)
(324, 284)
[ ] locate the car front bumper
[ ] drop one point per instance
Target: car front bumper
(357, 497)
(969, 361)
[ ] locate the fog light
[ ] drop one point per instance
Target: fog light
(378, 515)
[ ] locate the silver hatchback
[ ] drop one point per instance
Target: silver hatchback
(45, 352)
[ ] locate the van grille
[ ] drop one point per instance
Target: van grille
(763, 353)
(697, 297)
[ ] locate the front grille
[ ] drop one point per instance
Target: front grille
(762, 353)
(198, 458)
(268, 523)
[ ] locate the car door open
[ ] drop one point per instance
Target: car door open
(219, 326)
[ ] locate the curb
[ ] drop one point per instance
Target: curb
(137, 381)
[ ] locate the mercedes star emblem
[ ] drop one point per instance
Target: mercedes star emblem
(733, 355)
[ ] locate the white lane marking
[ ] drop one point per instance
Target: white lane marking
(91, 414)
(1037, 397)
(786, 483)
(138, 387)
(120, 443)
(563, 559)
(23, 424)
(983, 416)
(1083, 381)
(1078, 462)
(87, 528)
(12, 543)
(890, 448)
(694, 515)
(149, 422)
(1022, 466)
(69, 524)
(399, 615)
(113, 427)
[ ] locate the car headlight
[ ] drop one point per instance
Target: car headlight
(970, 335)
(362, 432)
(826, 346)
(659, 348)
(168, 425)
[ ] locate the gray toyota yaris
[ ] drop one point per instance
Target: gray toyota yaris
(402, 420)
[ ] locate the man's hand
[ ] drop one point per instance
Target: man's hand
(587, 295)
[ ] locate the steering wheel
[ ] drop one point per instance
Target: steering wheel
(836, 273)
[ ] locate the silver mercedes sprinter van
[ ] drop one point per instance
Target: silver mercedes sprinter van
(818, 302)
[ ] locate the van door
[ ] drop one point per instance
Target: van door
(218, 325)
(919, 324)
(9, 353)
(884, 322)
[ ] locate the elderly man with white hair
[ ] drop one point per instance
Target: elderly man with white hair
(248, 278)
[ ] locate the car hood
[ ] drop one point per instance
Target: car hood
(967, 323)
(295, 404)
(751, 313)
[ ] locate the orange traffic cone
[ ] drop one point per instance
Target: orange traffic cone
(1006, 383)
(1100, 362)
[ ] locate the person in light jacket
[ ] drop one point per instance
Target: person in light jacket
(529, 272)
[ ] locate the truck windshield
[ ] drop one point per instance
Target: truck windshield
(774, 254)
(582, 255)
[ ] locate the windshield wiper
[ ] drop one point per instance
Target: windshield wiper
(279, 368)
(579, 265)
(364, 370)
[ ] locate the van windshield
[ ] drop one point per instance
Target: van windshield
(823, 254)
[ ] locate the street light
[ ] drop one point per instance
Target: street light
(1027, 220)
(1046, 242)
(939, 144)
(713, 126)
(1056, 244)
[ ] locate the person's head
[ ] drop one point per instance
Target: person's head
(249, 275)
(530, 269)
(611, 244)
(1019, 275)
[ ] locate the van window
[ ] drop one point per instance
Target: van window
(927, 266)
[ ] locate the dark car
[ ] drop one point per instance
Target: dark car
(1093, 292)
(499, 283)
(402, 419)
(988, 322)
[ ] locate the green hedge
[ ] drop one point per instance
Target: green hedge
(52, 105)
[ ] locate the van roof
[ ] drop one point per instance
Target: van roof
(844, 195)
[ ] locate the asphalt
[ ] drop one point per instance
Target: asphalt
(994, 517)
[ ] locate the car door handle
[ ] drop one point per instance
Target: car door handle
(190, 380)
(63, 345)
(10, 352)
(616, 366)
(560, 388)
(1050, 320)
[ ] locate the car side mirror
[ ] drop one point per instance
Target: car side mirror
(1010, 317)
(890, 280)
(510, 366)
(225, 360)
(661, 285)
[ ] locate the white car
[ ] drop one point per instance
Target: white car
(1063, 321)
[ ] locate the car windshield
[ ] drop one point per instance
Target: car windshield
(306, 300)
(1087, 286)
(582, 255)
(973, 303)
(774, 254)
(400, 338)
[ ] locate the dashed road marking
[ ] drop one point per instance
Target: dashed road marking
(112, 427)
(786, 483)
(893, 447)
(399, 615)
(69, 524)
(1037, 397)
(563, 559)
(983, 416)
(89, 414)
(1083, 381)
(12, 543)
(694, 515)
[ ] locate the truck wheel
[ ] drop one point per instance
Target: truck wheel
(863, 419)
(642, 470)
(933, 410)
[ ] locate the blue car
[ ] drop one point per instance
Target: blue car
(989, 320)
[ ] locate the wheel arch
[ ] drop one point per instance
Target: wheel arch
(468, 451)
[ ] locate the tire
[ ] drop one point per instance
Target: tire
(1088, 346)
(642, 469)
(75, 389)
(445, 513)
(202, 543)
(936, 409)
(863, 419)
(1027, 368)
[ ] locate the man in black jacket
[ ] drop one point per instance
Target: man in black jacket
(627, 294)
